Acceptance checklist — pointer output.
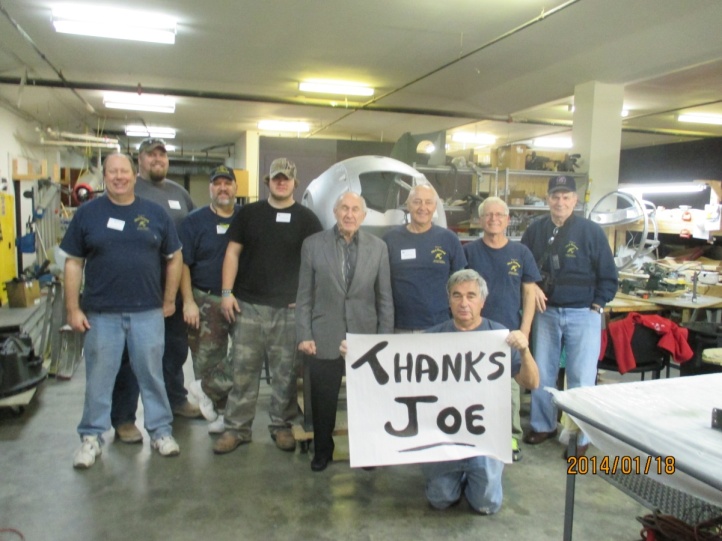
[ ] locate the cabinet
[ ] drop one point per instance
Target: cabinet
(7, 242)
(525, 194)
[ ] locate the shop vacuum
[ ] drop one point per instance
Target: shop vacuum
(20, 368)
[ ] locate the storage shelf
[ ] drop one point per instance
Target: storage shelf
(516, 185)
(528, 207)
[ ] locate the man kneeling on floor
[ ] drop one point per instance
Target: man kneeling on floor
(478, 478)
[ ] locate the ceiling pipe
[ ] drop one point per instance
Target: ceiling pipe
(82, 137)
(58, 72)
(228, 96)
(505, 35)
(85, 144)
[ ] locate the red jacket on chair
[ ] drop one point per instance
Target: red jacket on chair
(673, 339)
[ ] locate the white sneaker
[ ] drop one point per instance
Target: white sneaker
(85, 455)
(166, 446)
(204, 402)
(217, 427)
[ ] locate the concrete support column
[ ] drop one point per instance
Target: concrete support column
(597, 134)
(247, 156)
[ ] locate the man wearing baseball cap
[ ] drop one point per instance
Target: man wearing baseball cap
(152, 184)
(204, 237)
(260, 280)
(578, 278)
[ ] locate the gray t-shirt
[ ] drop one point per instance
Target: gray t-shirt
(170, 195)
(485, 325)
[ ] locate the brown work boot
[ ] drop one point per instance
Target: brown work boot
(188, 410)
(128, 433)
(284, 439)
(227, 442)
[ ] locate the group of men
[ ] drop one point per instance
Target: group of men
(265, 281)
(139, 325)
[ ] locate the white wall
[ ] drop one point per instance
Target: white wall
(19, 141)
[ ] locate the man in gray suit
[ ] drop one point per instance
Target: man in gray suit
(344, 286)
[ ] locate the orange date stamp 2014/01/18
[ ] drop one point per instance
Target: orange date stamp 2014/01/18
(626, 465)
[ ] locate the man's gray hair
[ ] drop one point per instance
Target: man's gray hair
(467, 275)
(340, 197)
(491, 201)
(416, 187)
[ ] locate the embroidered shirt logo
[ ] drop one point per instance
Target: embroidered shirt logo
(514, 266)
(438, 254)
(571, 249)
(141, 223)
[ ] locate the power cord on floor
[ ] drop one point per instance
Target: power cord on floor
(658, 527)
(11, 530)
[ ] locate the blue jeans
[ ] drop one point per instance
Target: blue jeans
(108, 335)
(579, 331)
(480, 474)
(175, 353)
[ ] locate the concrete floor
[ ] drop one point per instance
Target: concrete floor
(259, 492)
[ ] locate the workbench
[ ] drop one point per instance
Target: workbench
(623, 303)
(658, 432)
(689, 310)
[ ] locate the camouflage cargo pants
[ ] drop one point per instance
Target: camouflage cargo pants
(209, 346)
(257, 332)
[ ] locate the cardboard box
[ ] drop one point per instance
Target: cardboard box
(517, 198)
(512, 157)
(23, 294)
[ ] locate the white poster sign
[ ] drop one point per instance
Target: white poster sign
(416, 398)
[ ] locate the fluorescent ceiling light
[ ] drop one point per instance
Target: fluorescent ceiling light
(114, 23)
(139, 102)
(700, 118)
(284, 125)
(137, 130)
(336, 87)
(552, 141)
(473, 138)
(664, 188)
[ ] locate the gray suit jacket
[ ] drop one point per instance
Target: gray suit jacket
(325, 311)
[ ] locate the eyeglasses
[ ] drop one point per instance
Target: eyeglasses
(494, 215)
(554, 234)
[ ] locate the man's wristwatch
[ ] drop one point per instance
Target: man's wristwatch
(597, 308)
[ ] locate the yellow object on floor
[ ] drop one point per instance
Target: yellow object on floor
(712, 356)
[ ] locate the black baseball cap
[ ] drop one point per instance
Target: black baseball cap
(223, 172)
(561, 184)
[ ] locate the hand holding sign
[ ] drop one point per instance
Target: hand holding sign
(428, 398)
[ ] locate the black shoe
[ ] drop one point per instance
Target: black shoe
(581, 451)
(320, 462)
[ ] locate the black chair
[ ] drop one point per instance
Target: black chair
(647, 355)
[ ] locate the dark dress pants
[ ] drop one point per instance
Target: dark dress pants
(325, 376)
